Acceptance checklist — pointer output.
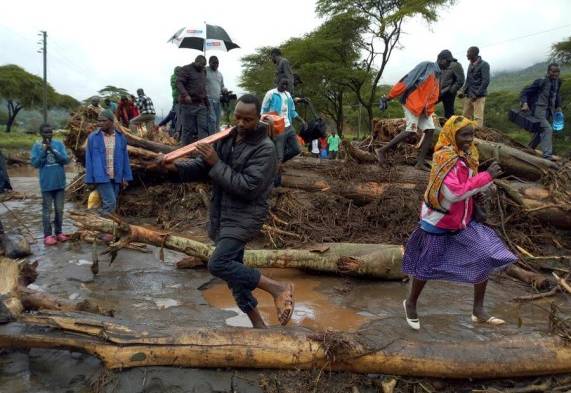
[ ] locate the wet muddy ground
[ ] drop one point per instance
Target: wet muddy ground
(139, 287)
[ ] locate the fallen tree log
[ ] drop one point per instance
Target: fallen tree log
(373, 260)
(120, 345)
(16, 275)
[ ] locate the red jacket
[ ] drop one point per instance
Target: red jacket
(419, 89)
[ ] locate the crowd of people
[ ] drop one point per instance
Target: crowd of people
(451, 242)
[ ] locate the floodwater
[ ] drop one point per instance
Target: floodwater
(141, 288)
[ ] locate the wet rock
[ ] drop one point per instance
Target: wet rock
(14, 246)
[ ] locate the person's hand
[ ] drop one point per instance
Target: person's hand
(495, 170)
(460, 94)
(525, 107)
(383, 103)
(558, 109)
(45, 146)
(473, 99)
(207, 153)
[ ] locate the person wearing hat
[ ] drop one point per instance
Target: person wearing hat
(49, 156)
(107, 161)
(419, 92)
(451, 80)
(94, 105)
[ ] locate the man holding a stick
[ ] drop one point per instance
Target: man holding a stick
(242, 168)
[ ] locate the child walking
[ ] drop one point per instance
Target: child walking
(449, 244)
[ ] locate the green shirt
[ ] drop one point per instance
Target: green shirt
(333, 142)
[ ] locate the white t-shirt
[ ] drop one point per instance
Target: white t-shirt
(284, 113)
(315, 146)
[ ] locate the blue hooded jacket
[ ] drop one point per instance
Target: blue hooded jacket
(273, 103)
(96, 164)
(50, 164)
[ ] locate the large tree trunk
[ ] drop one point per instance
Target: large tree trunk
(120, 345)
(373, 260)
(13, 110)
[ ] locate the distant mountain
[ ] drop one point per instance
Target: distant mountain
(514, 81)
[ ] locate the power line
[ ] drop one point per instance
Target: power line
(525, 36)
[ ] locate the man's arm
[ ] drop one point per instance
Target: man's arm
(266, 102)
(60, 154)
(249, 183)
(181, 78)
(531, 90)
(38, 158)
(89, 163)
(190, 170)
(127, 173)
(558, 97)
(485, 70)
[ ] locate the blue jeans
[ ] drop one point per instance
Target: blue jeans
(214, 115)
(55, 198)
(227, 263)
(286, 145)
(109, 193)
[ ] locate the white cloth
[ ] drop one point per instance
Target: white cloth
(285, 97)
(421, 122)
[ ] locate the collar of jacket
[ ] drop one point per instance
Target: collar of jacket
(252, 137)
(100, 131)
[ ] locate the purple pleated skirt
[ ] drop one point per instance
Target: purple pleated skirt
(466, 256)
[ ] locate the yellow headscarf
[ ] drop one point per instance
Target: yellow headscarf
(446, 154)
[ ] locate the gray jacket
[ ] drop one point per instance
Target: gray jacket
(241, 183)
(477, 79)
(452, 78)
(283, 70)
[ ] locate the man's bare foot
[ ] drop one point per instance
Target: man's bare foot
(284, 304)
(256, 319)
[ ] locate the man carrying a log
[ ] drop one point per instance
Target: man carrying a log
(419, 91)
(107, 161)
(543, 99)
(193, 101)
(242, 169)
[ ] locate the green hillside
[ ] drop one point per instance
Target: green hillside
(514, 81)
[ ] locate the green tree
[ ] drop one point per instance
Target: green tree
(381, 36)
(561, 51)
(21, 90)
(257, 72)
(113, 92)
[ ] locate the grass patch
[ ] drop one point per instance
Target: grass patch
(16, 140)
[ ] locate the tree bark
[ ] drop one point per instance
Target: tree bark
(120, 345)
(372, 260)
(13, 110)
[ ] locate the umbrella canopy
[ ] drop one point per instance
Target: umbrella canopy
(203, 38)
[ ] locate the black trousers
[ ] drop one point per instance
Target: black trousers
(448, 103)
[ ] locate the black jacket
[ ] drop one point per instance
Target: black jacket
(452, 78)
(477, 79)
(530, 94)
(192, 82)
(241, 183)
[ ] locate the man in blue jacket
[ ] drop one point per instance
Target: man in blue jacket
(542, 99)
(49, 156)
(107, 162)
(279, 100)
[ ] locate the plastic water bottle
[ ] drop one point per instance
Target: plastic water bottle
(558, 122)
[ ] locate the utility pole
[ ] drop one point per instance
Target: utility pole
(44, 50)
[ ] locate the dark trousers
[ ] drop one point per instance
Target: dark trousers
(53, 198)
(194, 124)
(448, 103)
(286, 145)
(227, 263)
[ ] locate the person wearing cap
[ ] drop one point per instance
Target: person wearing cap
(475, 88)
(419, 92)
(49, 156)
(451, 80)
(107, 161)
(94, 105)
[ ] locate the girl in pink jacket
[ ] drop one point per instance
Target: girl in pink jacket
(449, 244)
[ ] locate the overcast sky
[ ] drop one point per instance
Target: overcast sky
(123, 43)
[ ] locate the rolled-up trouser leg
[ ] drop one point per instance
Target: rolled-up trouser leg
(226, 263)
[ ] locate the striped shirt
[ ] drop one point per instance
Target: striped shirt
(145, 105)
(109, 141)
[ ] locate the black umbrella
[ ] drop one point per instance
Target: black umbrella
(203, 38)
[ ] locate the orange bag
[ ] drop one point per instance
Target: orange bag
(274, 119)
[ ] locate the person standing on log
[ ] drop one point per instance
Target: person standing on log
(475, 89)
(449, 244)
(283, 70)
(419, 92)
(107, 162)
(242, 169)
(146, 112)
(451, 80)
(49, 156)
(193, 101)
(214, 89)
(543, 99)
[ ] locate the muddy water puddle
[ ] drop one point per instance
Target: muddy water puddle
(314, 309)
